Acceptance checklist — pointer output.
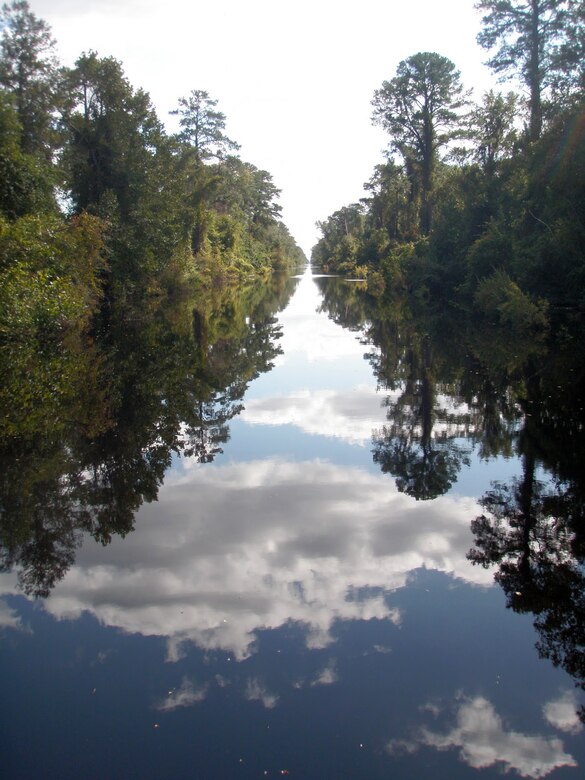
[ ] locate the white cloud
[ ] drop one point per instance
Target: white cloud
(562, 713)
(257, 691)
(483, 741)
(9, 618)
(431, 707)
(231, 549)
(349, 415)
(326, 676)
(186, 695)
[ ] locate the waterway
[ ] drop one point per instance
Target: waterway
(295, 592)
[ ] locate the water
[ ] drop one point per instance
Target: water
(295, 604)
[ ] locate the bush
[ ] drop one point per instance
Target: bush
(500, 299)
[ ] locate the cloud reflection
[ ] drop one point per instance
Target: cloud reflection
(186, 695)
(562, 713)
(317, 338)
(349, 415)
(230, 550)
(326, 676)
(257, 691)
(483, 741)
(9, 618)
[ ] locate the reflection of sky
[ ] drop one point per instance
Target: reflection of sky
(350, 415)
(317, 353)
(483, 740)
(8, 617)
(317, 338)
(286, 532)
(561, 713)
(232, 549)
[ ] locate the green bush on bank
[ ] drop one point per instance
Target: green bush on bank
(51, 275)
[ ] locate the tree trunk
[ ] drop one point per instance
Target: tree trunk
(534, 72)
(427, 175)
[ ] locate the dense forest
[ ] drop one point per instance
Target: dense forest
(99, 204)
(479, 206)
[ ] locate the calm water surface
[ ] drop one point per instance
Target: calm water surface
(298, 603)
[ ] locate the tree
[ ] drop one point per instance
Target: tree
(29, 72)
(535, 40)
(337, 249)
(203, 127)
(571, 55)
(263, 206)
(26, 184)
(119, 164)
(526, 533)
(493, 130)
(421, 109)
(113, 130)
(246, 190)
(388, 202)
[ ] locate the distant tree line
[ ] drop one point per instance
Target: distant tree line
(98, 202)
(481, 205)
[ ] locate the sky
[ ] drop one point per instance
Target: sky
(294, 79)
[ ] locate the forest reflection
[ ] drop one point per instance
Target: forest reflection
(93, 429)
(455, 383)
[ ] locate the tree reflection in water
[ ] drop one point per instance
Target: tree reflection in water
(528, 533)
(150, 385)
(532, 530)
(455, 383)
(419, 446)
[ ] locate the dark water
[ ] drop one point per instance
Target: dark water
(257, 572)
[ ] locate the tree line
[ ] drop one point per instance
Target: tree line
(479, 204)
(99, 203)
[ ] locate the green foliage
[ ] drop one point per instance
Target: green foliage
(501, 300)
(343, 233)
(493, 249)
(29, 72)
(390, 206)
(50, 276)
(26, 181)
(552, 233)
(498, 205)
(113, 136)
(35, 305)
(376, 283)
(50, 288)
(493, 130)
